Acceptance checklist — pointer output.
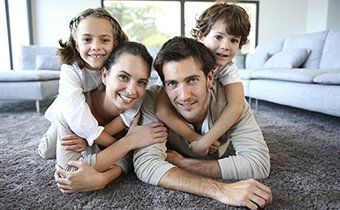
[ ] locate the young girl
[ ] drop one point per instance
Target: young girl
(94, 33)
(124, 77)
(223, 28)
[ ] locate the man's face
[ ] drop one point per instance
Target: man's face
(187, 88)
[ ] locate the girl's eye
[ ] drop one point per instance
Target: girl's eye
(86, 39)
(106, 40)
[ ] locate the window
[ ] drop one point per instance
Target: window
(13, 32)
(5, 57)
(154, 22)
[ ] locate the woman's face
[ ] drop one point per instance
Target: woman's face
(126, 80)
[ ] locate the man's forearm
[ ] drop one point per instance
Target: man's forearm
(178, 179)
(208, 168)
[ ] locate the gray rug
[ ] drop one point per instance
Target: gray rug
(304, 146)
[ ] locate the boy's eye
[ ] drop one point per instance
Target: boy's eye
(235, 41)
(218, 37)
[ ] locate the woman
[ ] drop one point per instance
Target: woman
(124, 77)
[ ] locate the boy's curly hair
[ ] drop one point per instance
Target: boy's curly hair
(234, 16)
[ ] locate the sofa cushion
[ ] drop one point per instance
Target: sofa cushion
(295, 75)
(330, 78)
(331, 50)
(28, 55)
(28, 75)
(245, 73)
(46, 62)
(271, 48)
(287, 59)
(312, 41)
(256, 60)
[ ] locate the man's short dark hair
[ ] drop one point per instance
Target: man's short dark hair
(179, 48)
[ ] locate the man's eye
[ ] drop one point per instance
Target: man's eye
(193, 81)
(170, 84)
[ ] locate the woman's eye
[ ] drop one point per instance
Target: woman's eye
(218, 37)
(143, 83)
(123, 77)
(86, 40)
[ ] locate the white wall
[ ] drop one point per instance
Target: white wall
(333, 14)
(51, 18)
(278, 19)
(317, 15)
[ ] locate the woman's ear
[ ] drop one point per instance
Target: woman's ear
(200, 37)
(104, 75)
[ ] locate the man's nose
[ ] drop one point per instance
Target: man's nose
(184, 92)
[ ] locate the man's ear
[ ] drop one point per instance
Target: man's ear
(104, 75)
(210, 79)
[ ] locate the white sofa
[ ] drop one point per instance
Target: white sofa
(301, 71)
(37, 79)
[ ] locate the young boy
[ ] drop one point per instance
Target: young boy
(223, 28)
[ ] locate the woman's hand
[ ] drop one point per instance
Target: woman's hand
(145, 135)
(74, 143)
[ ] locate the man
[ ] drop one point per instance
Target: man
(185, 67)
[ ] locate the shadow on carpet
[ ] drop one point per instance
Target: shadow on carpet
(304, 148)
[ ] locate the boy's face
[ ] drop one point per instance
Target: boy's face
(223, 45)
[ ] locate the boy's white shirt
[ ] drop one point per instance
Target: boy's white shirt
(73, 83)
(227, 74)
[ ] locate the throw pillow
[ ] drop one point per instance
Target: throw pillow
(46, 62)
(287, 59)
(256, 60)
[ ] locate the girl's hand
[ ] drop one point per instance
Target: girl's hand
(145, 135)
(74, 143)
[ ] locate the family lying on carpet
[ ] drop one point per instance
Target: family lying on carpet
(104, 119)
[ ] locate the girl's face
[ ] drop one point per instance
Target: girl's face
(94, 41)
(126, 80)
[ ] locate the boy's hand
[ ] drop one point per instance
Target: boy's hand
(145, 135)
(201, 148)
(74, 143)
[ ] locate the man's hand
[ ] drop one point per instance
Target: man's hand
(83, 180)
(74, 143)
(249, 193)
(174, 158)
